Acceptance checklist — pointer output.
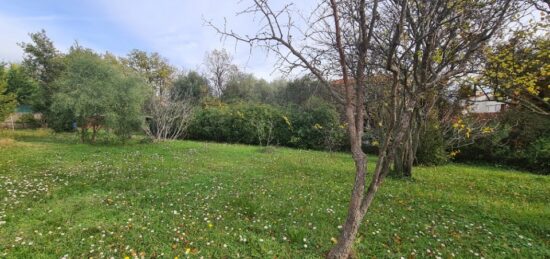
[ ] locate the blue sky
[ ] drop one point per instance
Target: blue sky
(174, 28)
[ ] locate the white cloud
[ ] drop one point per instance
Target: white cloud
(16, 30)
(176, 30)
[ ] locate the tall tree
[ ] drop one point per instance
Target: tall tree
(189, 87)
(99, 94)
(219, 67)
(246, 87)
(439, 41)
(298, 91)
(156, 69)
(44, 63)
(21, 84)
(517, 72)
(338, 44)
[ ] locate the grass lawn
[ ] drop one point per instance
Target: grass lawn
(185, 198)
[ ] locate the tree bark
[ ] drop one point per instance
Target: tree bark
(404, 158)
(355, 111)
(350, 228)
(398, 163)
(361, 200)
(409, 159)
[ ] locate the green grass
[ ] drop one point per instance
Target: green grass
(60, 198)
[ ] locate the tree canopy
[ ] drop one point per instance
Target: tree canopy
(44, 63)
(99, 94)
(7, 100)
(190, 86)
(518, 71)
(21, 84)
(155, 68)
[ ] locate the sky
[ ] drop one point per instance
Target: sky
(174, 28)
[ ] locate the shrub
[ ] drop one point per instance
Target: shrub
(521, 141)
(60, 120)
(126, 116)
(98, 94)
(314, 126)
(239, 123)
(167, 119)
(538, 155)
(431, 146)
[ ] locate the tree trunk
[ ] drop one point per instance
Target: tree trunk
(83, 133)
(343, 249)
(409, 160)
(355, 216)
(359, 205)
(402, 161)
(355, 116)
(94, 133)
(405, 153)
(398, 162)
(361, 200)
(413, 148)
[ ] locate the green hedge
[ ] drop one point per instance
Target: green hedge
(522, 141)
(315, 125)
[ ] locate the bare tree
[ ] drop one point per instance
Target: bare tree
(331, 36)
(336, 44)
(440, 41)
(167, 119)
(219, 67)
(264, 130)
